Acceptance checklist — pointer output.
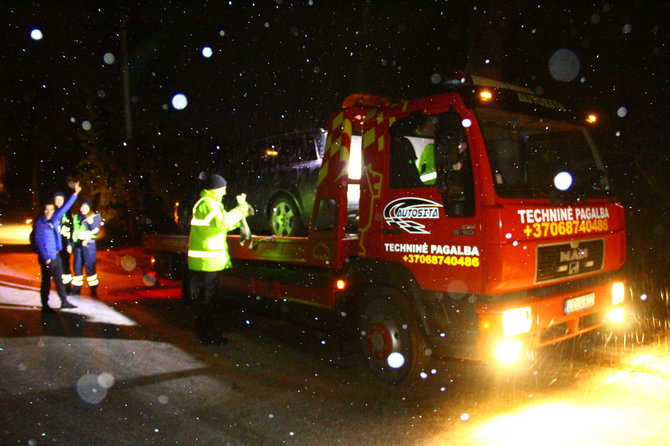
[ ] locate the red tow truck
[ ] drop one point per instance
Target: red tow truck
(485, 228)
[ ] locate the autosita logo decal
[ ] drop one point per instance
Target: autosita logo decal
(407, 212)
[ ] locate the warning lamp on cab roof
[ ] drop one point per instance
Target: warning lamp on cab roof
(485, 95)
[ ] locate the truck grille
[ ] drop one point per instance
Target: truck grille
(570, 259)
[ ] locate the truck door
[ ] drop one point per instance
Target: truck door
(430, 221)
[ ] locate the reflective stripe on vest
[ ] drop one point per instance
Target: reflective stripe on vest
(206, 254)
(66, 232)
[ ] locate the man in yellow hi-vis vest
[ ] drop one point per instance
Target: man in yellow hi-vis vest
(208, 251)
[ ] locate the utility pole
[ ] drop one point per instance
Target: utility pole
(133, 165)
(126, 83)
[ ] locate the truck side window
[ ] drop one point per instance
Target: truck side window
(456, 180)
(432, 150)
(410, 137)
(461, 189)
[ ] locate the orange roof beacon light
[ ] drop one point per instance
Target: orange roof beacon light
(592, 118)
(485, 95)
(271, 152)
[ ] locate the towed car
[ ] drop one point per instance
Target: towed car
(281, 179)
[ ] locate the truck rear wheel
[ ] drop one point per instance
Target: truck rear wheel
(391, 340)
(285, 219)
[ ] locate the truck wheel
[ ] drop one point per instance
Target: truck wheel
(285, 218)
(391, 340)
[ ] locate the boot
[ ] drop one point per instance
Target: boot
(76, 290)
(67, 304)
(94, 291)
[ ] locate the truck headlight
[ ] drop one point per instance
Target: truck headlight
(516, 321)
(618, 293)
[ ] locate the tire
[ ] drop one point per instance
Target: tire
(388, 327)
(285, 219)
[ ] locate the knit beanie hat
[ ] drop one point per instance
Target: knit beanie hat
(59, 194)
(216, 181)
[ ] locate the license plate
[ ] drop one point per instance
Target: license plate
(579, 303)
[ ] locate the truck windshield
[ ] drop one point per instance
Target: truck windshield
(528, 152)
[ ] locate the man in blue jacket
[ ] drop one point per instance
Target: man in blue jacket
(48, 242)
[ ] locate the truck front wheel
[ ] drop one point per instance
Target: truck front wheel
(391, 340)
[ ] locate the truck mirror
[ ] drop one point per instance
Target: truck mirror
(448, 129)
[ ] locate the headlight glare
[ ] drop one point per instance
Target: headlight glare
(616, 315)
(516, 321)
(508, 351)
(618, 293)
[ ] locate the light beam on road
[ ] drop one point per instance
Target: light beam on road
(95, 311)
(626, 405)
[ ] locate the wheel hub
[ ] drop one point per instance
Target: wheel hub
(380, 341)
(282, 218)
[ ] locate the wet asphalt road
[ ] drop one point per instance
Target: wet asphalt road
(127, 370)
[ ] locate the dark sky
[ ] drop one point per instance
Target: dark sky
(279, 65)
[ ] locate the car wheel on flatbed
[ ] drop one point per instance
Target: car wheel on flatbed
(285, 219)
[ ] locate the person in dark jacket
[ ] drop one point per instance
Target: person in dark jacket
(48, 242)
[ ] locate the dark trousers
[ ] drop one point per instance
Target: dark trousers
(54, 270)
(202, 284)
(65, 259)
(85, 256)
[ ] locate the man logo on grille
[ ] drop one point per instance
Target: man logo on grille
(574, 254)
(405, 211)
(573, 268)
